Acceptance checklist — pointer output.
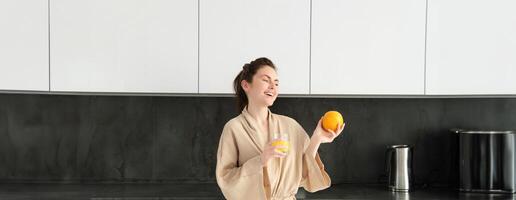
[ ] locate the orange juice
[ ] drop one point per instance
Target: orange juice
(281, 143)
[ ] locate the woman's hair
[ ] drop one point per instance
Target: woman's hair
(247, 73)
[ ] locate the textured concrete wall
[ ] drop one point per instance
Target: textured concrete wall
(154, 139)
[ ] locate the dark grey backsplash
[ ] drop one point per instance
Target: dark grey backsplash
(48, 138)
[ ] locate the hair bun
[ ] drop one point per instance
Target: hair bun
(246, 67)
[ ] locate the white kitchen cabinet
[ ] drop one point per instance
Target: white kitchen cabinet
(471, 47)
(368, 47)
(235, 32)
(24, 45)
(124, 46)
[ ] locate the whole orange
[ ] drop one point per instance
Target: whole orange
(332, 120)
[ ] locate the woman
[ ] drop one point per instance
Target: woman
(248, 165)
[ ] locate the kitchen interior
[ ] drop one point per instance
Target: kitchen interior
(127, 99)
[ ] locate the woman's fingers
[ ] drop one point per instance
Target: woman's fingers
(342, 127)
(279, 148)
(332, 136)
(272, 151)
(269, 145)
(275, 151)
(278, 154)
(329, 136)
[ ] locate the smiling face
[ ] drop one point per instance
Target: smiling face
(263, 89)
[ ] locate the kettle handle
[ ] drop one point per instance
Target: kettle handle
(388, 158)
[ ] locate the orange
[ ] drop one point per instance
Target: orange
(332, 120)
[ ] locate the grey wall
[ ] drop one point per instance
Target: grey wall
(47, 138)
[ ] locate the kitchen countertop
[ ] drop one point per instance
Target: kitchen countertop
(211, 191)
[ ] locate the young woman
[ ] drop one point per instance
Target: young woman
(248, 165)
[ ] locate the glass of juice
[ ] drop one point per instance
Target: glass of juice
(281, 139)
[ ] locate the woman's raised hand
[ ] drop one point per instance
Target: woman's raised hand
(326, 136)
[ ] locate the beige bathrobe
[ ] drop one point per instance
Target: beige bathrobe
(239, 173)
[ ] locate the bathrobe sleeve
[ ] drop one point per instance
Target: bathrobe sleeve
(237, 180)
(314, 177)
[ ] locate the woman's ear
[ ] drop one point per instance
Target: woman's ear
(245, 85)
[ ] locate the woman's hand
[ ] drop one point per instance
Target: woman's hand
(271, 152)
(323, 136)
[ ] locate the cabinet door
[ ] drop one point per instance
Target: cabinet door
(368, 47)
(124, 46)
(24, 45)
(235, 32)
(471, 47)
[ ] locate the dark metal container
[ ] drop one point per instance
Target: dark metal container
(487, 161)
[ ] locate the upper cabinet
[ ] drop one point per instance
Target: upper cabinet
(124, 46)
(24, 45)
(368, 47)
(471, 47)
(320, 47)
(235, 32)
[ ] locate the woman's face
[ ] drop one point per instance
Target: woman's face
(263, 90)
